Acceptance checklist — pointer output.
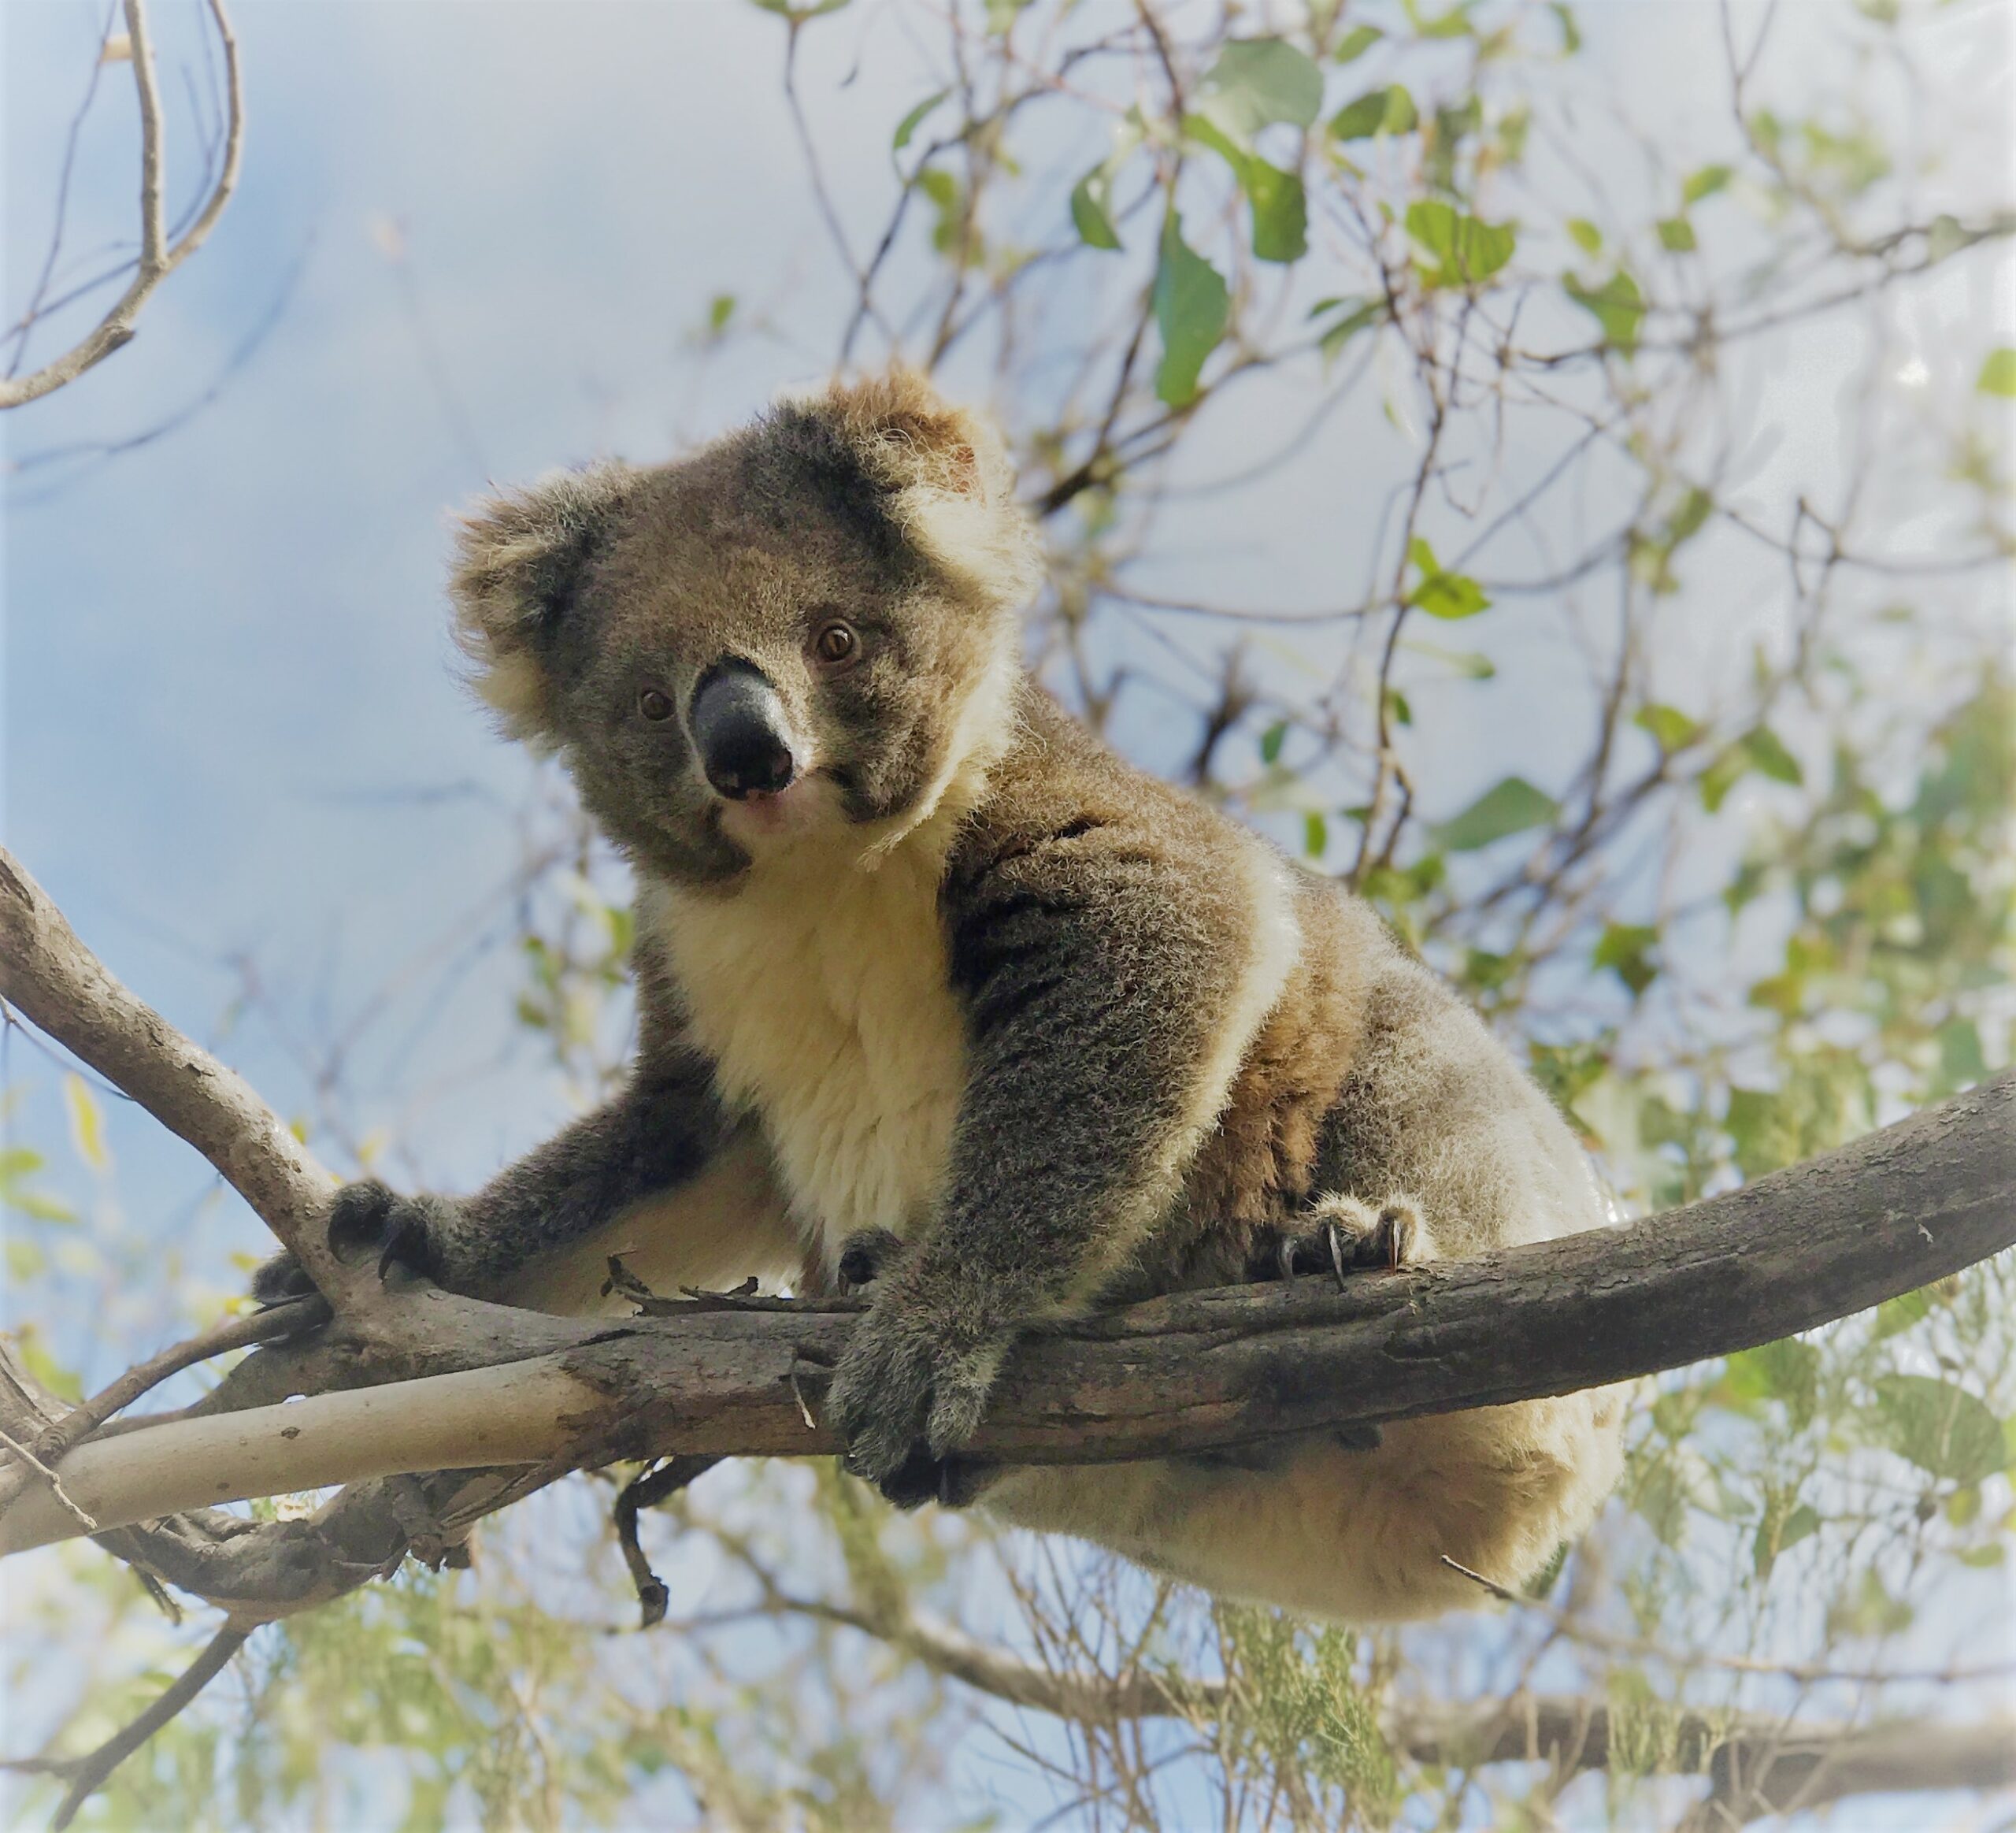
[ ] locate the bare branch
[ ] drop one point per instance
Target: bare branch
(88, 1774)
(64, 987)
(261, 1327)
(158, 258)
(1758, 1763)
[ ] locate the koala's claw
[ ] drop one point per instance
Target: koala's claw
(1347, 1236)
(367, 1218)
(908, 1393)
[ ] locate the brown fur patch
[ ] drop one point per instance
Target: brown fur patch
(1257, 1170)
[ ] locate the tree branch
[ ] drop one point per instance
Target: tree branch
(87, 1773)
(157, 258)
(51, 976)
(1880, 1218)
(1759, 1762)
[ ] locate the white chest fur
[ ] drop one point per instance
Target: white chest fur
(820, 989)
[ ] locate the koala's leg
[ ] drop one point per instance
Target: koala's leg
(661, 1176)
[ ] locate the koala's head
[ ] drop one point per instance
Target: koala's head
(807, 628)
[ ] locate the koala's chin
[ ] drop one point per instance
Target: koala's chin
(809, 810)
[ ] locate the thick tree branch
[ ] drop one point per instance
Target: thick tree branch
(158, 259)
(57, 981)
(1881, 1217)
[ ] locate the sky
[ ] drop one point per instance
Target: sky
(471, 243)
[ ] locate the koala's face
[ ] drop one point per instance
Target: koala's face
(801, 632)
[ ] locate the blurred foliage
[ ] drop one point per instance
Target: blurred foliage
(1763, 905)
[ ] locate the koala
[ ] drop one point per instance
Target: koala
(937, 994)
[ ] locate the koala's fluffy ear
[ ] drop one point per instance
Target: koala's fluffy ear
(954, 487)
(520, 558)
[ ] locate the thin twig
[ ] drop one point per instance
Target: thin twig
(158, 259)
(88, 1774)
(288, 1319)
(49, 1476)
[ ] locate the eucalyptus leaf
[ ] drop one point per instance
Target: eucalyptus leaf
(1513, 806)
(1192, 307)
(910, 122)
(1258, 82)
(1939, 1427)
(1617, 306)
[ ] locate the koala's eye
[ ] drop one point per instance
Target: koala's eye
(653, 705)
(835, 642)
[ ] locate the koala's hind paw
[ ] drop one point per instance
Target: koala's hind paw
(1344, 1235)
(283, 1278)
(368, 1219)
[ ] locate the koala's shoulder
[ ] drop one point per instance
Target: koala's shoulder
(1059, 804)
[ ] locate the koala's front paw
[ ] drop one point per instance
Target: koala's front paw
(910, 1391)
(368, 1220)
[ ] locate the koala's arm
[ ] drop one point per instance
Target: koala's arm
(660, 1133)
(1111, 973)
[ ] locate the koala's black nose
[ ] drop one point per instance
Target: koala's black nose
(738, 729)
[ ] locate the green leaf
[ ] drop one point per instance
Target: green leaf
(1781, 1528)
(1091, 198)
(1389, 110)
(1192, 307)
(1671, 728)
(1271, 741)
(1571, 35)
(1623, 948)
(1447, 595)
(720, 308)
(1939, 1427)
(1362, 314)
(1588, 238)
(1506, 808)
(1315, 834)
(1091, 212)
(1466, 663)
(1617, 305)
(1257, 82)
(1357, 42)
(1466, 249)
(1998, 375)
(1704, 183)
(797, 15)
(1767, 755)
(948, 198)
(1280, 214)
(1676, 235)
(1787, 1370)
(910, 122)
(1900, 1313)
(86, 1122)
(1454, 23)
(1686, 520)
